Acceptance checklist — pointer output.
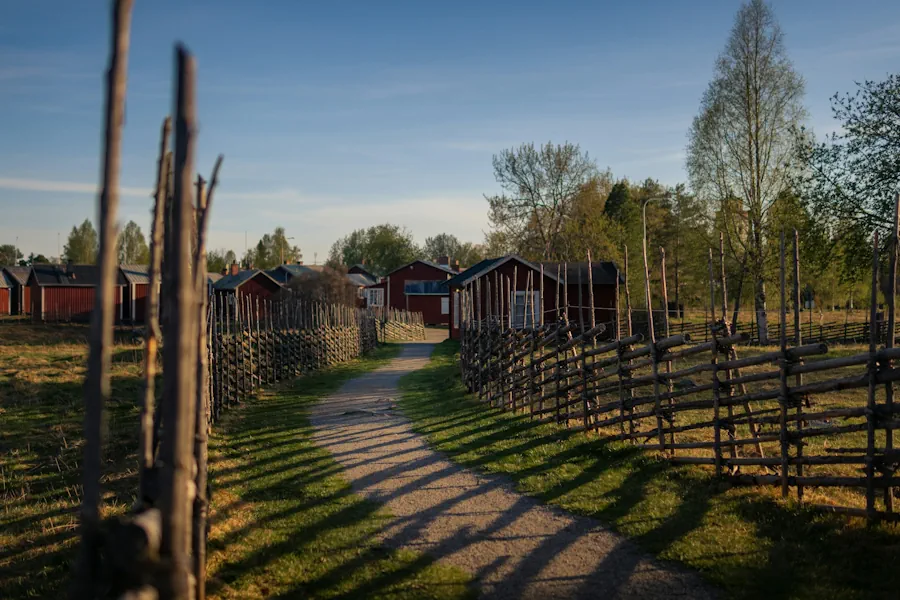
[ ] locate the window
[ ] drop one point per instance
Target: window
(445, 305)
(524, 307)
(375, 297)
(424, 287)
(361, 292)
(456, 310)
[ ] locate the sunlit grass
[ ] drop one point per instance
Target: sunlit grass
(745, 540)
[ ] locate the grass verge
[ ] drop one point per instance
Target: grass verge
(284, 522)
(743, 540)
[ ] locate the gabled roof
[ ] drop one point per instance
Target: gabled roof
(213, 277)
(5, 280)
(136, 273)
(444, 268)
(359, 279)
(602, 272)
(283, 273)
(70, 275)
(363, 270)
(18, 274)
(233, 282)
(489, 264)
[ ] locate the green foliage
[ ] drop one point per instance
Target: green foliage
(82, 245)
(9, 254)
(540, 185)
(219, 260)
(447, 244)
(853, 175)
(131, 247)
(383, 248)
(272, 250)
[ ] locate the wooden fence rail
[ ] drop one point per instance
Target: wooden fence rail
(787, 417)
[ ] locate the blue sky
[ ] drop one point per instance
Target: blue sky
(339, 115)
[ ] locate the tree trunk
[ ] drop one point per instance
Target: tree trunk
(760, 306)
(738, 294)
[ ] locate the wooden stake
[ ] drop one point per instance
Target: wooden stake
(97, 386)
(873, 380)
(180, 351)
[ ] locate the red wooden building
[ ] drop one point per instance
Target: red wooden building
(5, 293)
(251, 283)
(513, 272)
(418, 287)
(68, 292)
(137, 288)
(19, 292)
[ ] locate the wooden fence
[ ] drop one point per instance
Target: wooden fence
(797, 417)
(399, 325)
(254, 343)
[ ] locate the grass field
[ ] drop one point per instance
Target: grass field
(284, 524)
(745, 540)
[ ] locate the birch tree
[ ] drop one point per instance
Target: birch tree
(741, 142)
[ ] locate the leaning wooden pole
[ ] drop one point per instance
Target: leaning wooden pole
(891, 336)
(201, 404)
(151, 320)
(97, 387)
(873, 385)
(180, 352)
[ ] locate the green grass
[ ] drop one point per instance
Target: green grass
(743, 540)
(286, 525)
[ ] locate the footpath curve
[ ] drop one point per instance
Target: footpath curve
(513, 546)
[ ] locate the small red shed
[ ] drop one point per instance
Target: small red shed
(251, 283)
(20, 293)
(137, 288)
(5, 293)
(68, 292)
(420, 287)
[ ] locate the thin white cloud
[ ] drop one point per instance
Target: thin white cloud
(69, 187)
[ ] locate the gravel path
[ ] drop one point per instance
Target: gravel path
(514, 546)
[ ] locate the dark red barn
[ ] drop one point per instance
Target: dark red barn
(251, 283)
(68, 292)
(5, 293)
(512, 272)
(419, 287)
(19, 292)
(137, 289)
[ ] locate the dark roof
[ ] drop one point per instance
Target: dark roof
(363, 270)
(602, 272)
(360, 279)
(283, 273)
(5, 280)
(489, 264)
(136, 273)
(444, 268)
(233, 282)
(18, 274)
(70, 275)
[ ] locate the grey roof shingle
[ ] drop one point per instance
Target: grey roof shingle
(602, 272)
(138, 274)
(70, 275)
(359, 279)
(233, 282)
(480, 268)
(18, 274)
(5, 280)
(444, 268)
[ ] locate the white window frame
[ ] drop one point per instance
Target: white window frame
(445, 305)
(374, 297)
(519, 302)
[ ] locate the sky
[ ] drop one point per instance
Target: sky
(334, 116)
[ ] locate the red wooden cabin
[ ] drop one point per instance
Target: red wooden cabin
(5, 293)
(419, 286)
(67, 292)
(137, 289)
(19, 292)
(512, 272)
(251, 283)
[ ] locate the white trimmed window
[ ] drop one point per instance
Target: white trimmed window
(375, 297)
(445, 305)
(523, 307)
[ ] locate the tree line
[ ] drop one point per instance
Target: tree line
(754, 171)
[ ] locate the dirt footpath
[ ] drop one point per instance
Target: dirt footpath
(514, 546)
